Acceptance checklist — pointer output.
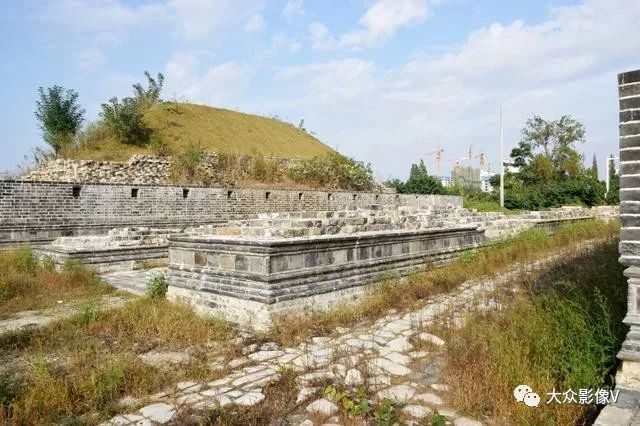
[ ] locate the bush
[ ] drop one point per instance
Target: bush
(333, 171)
(186, 168)
(124, 119)
(157, 286)
(159, 147)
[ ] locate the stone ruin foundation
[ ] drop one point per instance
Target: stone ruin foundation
(249, 270)
(247, 254)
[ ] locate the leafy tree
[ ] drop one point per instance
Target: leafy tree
(59, 114)
(551, 171)
(419, 182)
(553, 137)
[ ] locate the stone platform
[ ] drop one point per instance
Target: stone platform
(250, 269)
(122, 249)
(247, 280)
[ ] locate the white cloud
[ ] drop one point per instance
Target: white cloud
(89, 59)
(101, 16)
(198, 19)
(564, 65)
(255, 23)
(188, 19)
(383, 19)
(320, 37)
(293, 10)
(218, 85)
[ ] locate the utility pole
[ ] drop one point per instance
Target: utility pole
(501, 161)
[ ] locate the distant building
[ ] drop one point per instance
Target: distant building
(446, 181)
(467, 177)
(485, 180)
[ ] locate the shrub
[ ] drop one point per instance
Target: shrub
(157, 286)
(124, 120)
(186, 168)
(159, 147)
(333, 171)
(9, 387)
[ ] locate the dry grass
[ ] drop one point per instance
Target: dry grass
(563, 333)
(180, 125)
(26, 284)
(76, 370)
(530, 245)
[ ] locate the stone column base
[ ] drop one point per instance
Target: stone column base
(628, 376)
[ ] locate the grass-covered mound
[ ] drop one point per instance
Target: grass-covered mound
(176, 126)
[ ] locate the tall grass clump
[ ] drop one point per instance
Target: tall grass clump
(75, 371)
(562, 333)
(27, 283)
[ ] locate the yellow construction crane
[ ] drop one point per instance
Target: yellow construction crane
(482, 159)
(438, 154)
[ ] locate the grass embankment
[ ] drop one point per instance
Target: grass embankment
(26, 284)
(76, 370)
(395, 294)
(561, 333)
(180, 125)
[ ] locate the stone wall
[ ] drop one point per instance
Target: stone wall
(140, 169)
(629, 93)
(38, 212)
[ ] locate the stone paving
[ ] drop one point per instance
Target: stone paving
(26, 319)
(132, 281)
(394, 357)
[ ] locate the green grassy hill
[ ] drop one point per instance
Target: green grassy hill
(214, 130)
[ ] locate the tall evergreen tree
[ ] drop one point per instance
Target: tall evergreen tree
(594, 168)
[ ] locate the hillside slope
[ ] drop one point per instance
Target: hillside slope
(214, 130)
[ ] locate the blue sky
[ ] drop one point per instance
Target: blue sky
(384, 81)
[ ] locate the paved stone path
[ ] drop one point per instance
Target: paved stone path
(25, 319)
(132, 281)
(394, 357)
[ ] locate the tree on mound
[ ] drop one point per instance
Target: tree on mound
(60, 116)
(125, 118)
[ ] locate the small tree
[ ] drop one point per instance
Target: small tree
(150, 96)
(59, 114)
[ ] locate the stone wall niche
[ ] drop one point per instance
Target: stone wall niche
(629, 94)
